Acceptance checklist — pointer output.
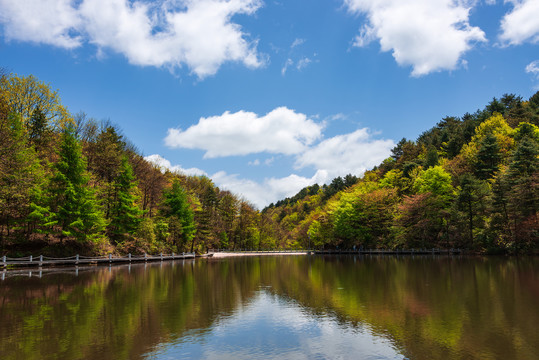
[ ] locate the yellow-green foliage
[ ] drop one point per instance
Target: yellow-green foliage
(495, 125)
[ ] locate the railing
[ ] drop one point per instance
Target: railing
(85, 260)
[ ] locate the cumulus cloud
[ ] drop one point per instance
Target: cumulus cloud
(533, 69)
(165, 164)
(41, 21)
(281, 131)
(521, 24)
(350, 153)
(429, 35)
(165, 33)
(269, 190)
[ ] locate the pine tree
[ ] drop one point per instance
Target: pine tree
(125, 215)
(488, 158)
(74, 204)
(176, 207)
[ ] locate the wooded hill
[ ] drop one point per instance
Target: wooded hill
(70, 183)
(470, 182)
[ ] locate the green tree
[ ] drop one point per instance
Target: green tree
(20, 172)
(471, 202)
(125, 215)
(436, 181)
(181, 218)
(488, 157)
(75, 208)
(23, 95)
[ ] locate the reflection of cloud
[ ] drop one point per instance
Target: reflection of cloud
(271, 327)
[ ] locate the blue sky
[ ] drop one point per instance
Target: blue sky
(266, 97)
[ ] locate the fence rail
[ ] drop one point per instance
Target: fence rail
(88, 260)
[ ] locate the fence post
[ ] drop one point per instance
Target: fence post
(30, 258)
(40, 260)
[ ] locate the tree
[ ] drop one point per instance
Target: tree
(176, 208)
(23, 95)
(39, 132)
(488, 157)
(74, 205)
(436, 181)
(471, 201)
(20, 172)
(125, 215)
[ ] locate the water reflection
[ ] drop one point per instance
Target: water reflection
(305, 307)
(269, 327)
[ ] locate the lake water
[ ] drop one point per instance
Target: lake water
(277, 307)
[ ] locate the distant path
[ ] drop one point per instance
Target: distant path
(224, 254)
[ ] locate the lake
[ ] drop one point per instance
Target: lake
(277, 307)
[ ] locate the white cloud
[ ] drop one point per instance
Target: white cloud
(164, 164)
(281, 131)
(289, 62)
(196, 33)
(303, 63)
(41, 21)
(533, 69)
(269, 190)
(337, 156)
(521, 24)
(429, 35)
(297, 42)
(343, 154)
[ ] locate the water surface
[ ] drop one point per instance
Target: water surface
(293, 307)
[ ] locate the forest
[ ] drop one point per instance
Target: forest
(70, 183)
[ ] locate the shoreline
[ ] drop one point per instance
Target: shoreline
(254, 253)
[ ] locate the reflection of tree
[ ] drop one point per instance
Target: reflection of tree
(435, 308)
(440, 308)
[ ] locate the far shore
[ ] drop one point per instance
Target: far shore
(254, 253)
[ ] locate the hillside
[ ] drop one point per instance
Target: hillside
(469, 182)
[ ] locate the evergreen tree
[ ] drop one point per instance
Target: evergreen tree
(471, 201)
(488, 157)
(181, 217)
(39, 132)
(74, 204)
(125, 215)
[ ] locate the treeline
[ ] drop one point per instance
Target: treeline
(71, 183)
(469, 182)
